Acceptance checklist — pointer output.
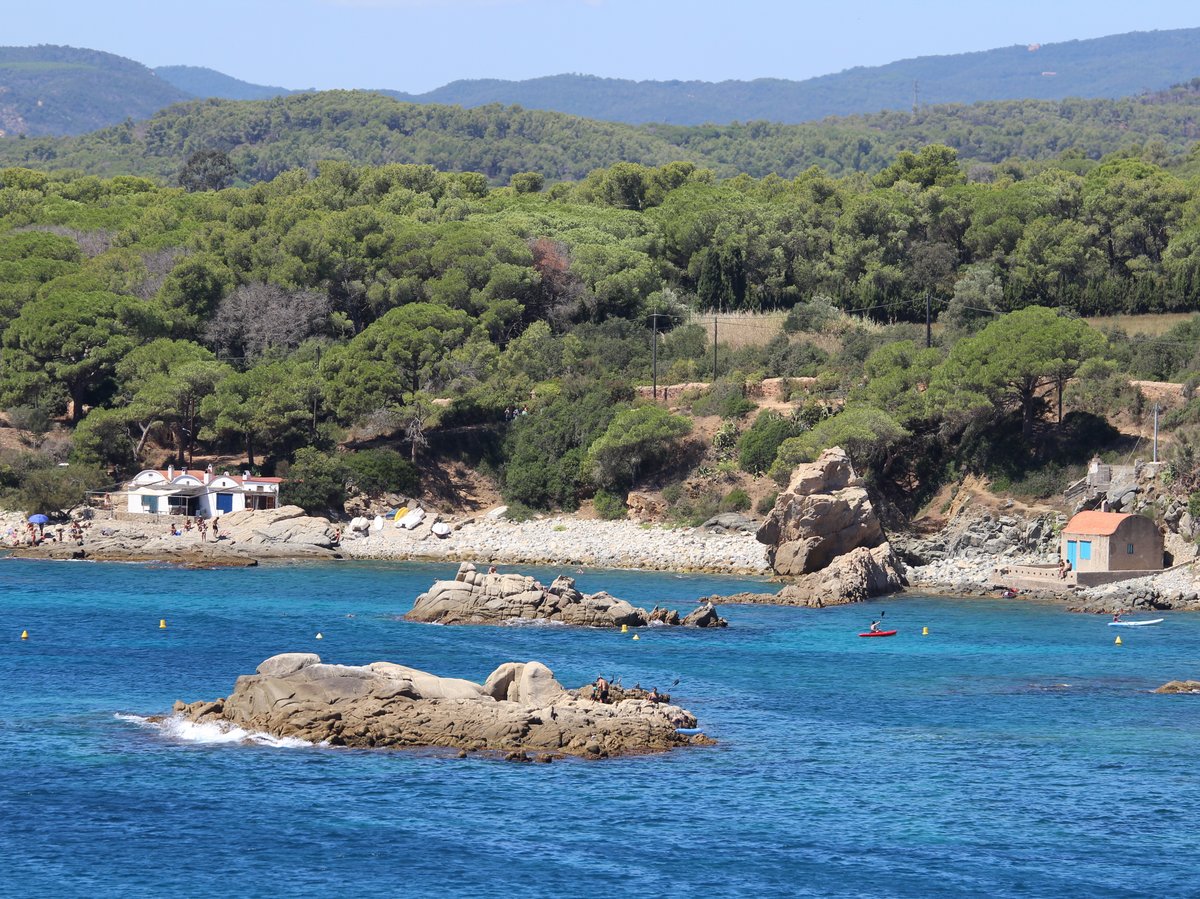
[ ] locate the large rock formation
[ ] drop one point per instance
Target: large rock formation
(477, 598)
(824, 513)
(824, 533)
(286, 532)
(519, 708)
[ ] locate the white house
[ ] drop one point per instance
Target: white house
(194, 492)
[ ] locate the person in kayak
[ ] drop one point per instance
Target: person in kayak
(1117, 616)
(875, 626)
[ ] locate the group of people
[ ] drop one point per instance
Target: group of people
(1064, 567)
(201, 527)
(36, 535)
(511, 412)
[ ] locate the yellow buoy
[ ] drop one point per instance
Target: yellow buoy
(1118, 641)
(924, 632)
(624, 628)
(24, 635)
(636, 637)
(162, 624)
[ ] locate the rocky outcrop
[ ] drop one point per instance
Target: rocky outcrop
(1180, 686)
(824, 513)
(520, 708)
(856, 576)
(824, 533)
(477, 598)
(286, 532)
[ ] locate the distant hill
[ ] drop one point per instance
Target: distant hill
(197, 81)
(1117, 66)
(266, 137)
(81, 90)
(62, 90)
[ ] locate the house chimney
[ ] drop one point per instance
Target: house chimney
(170, 472)
(245, 475)
(208, 474)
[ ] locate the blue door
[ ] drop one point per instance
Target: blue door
(1072, 552)
(224, 502)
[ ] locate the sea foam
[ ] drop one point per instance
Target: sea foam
(181, 730)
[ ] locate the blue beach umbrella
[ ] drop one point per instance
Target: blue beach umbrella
(38, 519)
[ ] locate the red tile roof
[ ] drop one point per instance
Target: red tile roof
(1099, 524)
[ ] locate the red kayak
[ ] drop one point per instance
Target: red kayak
(878, 634)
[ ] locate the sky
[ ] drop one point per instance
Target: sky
(416, 45)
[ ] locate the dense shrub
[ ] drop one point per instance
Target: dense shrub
(757, 448)
(316, 482)
(726, 398)
(378, 471)
(609, 506)
(766, 504)
(637, 441)
(736, 500)
(545, 449)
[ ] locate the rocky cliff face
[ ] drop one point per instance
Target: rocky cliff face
(824, 533)
(824, 513)
(519, 708)
(477, 598)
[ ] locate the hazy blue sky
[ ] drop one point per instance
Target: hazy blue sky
(416, 45)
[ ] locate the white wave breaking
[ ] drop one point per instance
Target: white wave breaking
(212, 733)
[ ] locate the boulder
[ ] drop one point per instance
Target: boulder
(477, 598)
(520, 708)
(853, 577)
(824, 513)
(731, 521)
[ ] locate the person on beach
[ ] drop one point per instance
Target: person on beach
(216, 529)
(202, 527)
(600, 691)
(1062, 568)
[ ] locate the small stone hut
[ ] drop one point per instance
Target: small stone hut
(1102, 542)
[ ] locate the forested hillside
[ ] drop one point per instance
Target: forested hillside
(82, 90)
(199, 81)
(264, 138)
(1117, 66)
(62, 90)
(275, 321)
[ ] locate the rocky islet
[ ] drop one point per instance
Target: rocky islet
(520, 708)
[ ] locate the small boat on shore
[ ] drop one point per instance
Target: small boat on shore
(1136, 623)
(878, 634)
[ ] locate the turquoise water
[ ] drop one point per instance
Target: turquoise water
(1013, 751)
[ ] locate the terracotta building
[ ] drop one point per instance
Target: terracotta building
(1112, 541)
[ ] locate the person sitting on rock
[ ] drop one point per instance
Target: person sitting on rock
(653, 696)
(1062, 568)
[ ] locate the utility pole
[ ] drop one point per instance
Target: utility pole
(928, 326)
(1156, 432)
(654, 350)
(714, 377)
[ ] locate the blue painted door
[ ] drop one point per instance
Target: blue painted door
(1072, 552)
(224, 502)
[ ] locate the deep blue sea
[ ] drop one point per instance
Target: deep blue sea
(1014, 751)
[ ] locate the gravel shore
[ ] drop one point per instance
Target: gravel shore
(568, 541)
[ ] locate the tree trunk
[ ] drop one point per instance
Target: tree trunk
(250, 450)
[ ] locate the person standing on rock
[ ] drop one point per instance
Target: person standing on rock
(601, 689)
(216, 529)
